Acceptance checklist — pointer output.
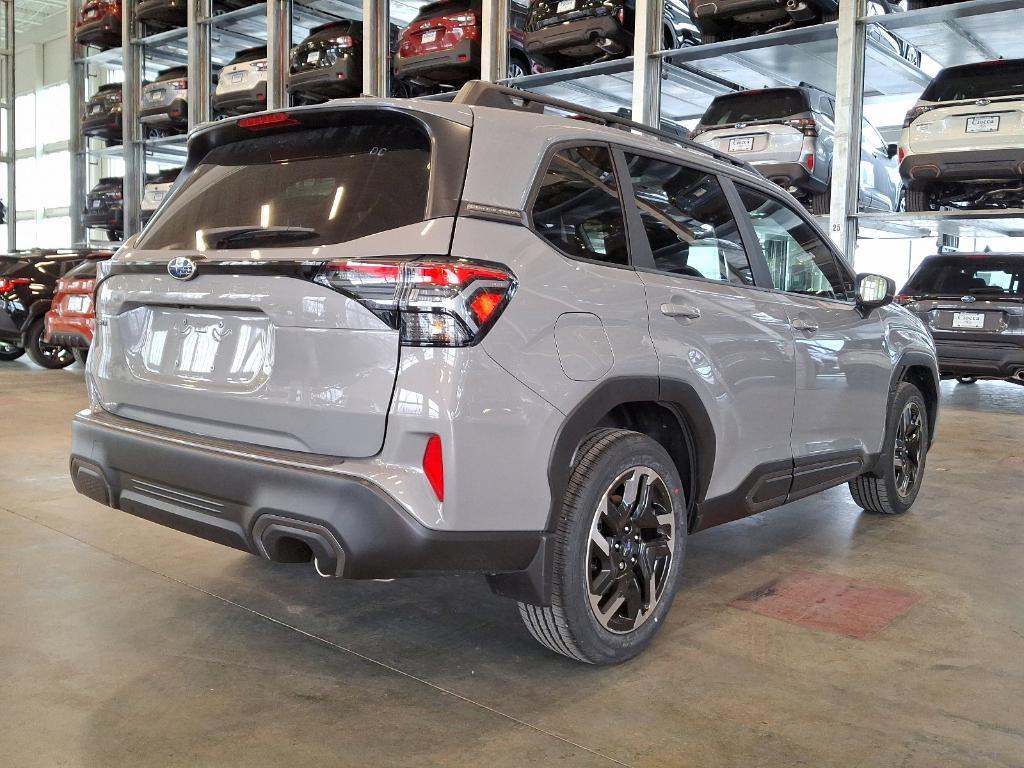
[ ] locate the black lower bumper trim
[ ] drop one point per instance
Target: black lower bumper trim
(224, 498)
(966, 358)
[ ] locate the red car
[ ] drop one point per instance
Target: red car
(72, 318)
(99, 24)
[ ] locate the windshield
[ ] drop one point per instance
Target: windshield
(969, 275)
(330, 185)
(755, 105)
(988, 80)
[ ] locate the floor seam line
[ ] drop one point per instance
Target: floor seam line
(319, 639)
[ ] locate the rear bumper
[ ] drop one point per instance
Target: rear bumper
(106, 125)
(75, 333)
(174, 114)
(105, 30)
(459, 61)
(973, 357)
(104, 218)
(576, 34)
(789, 175)
(344, 78)
(248, 100)
(265, 503)
(171, 12)
(968, 165)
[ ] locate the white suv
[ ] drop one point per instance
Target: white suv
(242, 85)
(963, 142)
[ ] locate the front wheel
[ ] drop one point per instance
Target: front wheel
(821, 202)
(619, 550)
(47, 355)
(9, 352)
(918, 199)
(892, 487)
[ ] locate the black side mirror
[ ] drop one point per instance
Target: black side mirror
(892, 150)
(874, 291)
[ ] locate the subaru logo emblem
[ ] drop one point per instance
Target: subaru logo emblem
(741, 125)
(182, 268)
(968, 299)
(983, 102)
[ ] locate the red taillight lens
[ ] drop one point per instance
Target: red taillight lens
(806, 124)
(808, 161)
(467, 19)
(263, 122)
(432, 302)
(433, 466)
(915, 113)
(904, 299)
(900, 154)
(11, 283)
(344, 41)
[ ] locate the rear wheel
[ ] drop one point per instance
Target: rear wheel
(10, 352)
(966, 380)
(821, 202)
(517, 67)
(41, 353)
(918, 198)
(827, 17)
(893, 485)
(619, 550)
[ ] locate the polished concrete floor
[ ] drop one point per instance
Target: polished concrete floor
(125, 644)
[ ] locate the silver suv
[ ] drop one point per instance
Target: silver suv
(787, 134)
(395, 337)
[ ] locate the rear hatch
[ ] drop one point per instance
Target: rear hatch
(244, 72)
(758, 126)
(325, 44)
(104, 100)
(976, 106)
(980, 295)
(440, 26)
(250, 348)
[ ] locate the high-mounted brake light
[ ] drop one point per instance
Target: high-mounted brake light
(432, 302)
(263, 122)
(9, 284)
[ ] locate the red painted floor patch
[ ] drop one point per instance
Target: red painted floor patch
(829, 602)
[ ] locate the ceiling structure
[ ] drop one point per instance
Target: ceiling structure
(29, 14)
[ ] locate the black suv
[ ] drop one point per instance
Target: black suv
(104, 207)
(727, 19)
(561, 33)
(329, 63)
(27, 284)
(102, 116)
(973, 303)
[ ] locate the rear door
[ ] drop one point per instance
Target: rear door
(250, 347)
(712, 330)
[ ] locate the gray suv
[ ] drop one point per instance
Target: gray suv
(392, 337)
(787, 134)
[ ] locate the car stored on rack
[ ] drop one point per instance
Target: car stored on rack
(104, 207)
(242, 84)
(102, 116)
(157, 187)
(328, 64)
(165, 101)
(393, 337)
(99, 24)
(728, 19)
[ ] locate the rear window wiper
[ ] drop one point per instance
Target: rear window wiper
(222, 236)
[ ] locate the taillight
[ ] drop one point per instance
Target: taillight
(915, 113)
(900, 154)
(10, 283)
(115, 194)
(263, 122)
(808, 161)
(805, 124)
(904, 299)
(433, 466)
(432, 302)
(344, 41)
(260, 66)
(467, 19)
(178, 84)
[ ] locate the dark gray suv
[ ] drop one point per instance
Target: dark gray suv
(395, 337)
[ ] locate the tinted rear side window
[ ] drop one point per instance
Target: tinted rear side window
(577, 208)
(978, 81)
(969, 275)
(748, 106)
(446, 7)
(335, 184)
(83, 271)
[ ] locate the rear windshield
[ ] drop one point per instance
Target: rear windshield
(988, 80)
(301, 188)
(755, 105)
(8, 265)
(969, 275)
(445, 7)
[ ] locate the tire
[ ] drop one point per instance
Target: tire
(43, 354)
(821, 202)
(607, 462)
(918, 199)
(884, 490)
(81, 356)
(114, 236)
(517, 67)
(9, 352)
(916, 5)
(829, 17)
(966, 380)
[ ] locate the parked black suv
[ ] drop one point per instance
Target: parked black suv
(973, 303)
(104, 207)
(560, 33)
(166, 14)
(329, 63)
(102, 116)
(27, 284)
(728, 19)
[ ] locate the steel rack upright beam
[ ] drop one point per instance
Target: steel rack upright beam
(646, 65)
(279, 43)
(7, 103)
(200, 62)
(376, 48)
(132, 140)
(494, 44)
(846, 143)
(77, 142)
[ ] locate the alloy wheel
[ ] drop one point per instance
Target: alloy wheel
(908, 449)
(56, 354)
(629, 554)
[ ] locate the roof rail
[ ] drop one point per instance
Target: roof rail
(482, 94)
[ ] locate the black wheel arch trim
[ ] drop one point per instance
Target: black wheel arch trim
(914, 358)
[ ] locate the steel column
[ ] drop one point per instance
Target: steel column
(76, 142)
(200, 69)
(494, 44)
(131, 96)
(646, 66)
(279, 43)
(376, 48)
(10, 86)
(849, 110)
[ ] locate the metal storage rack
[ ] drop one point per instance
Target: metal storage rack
(848, 57)
(7, 152)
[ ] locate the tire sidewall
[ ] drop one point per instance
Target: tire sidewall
(33, 342)
(905, 394)
(597, 643)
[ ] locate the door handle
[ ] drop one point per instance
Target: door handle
(807, 326)
(680, 310)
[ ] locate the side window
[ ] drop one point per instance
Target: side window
(577, 209)
(688, 221)
(798, 258)
(828, 107)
